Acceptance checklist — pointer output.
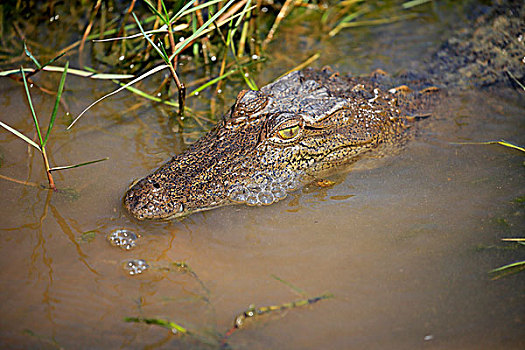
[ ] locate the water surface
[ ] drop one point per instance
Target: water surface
(404, 244)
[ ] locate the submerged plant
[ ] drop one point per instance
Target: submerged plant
(509, 269)
(240, 321)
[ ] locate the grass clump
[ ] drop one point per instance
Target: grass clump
(43, 139)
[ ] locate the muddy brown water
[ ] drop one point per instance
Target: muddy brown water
(404, 245)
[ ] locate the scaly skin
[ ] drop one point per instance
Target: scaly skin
(272, 141)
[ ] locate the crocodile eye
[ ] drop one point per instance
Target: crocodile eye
(289, 133)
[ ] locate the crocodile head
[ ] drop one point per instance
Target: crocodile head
(271, 142)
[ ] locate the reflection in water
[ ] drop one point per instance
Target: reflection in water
(47, 300)
(40, 245)
(71, 236)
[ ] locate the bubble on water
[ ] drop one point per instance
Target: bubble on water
(278, 192)
(123, 239)
(252, 200)
(238, 194)
(135, 266)
(265, 198)
(265, 188)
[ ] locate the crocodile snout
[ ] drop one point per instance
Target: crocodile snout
(147, 199)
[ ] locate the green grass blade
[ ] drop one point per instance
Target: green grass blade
(156, 12)
(35, 119)
(194, 28)
(54, 59)
(163, 29)
(202, 32)
(511, 145)
(165, 11)
(78, 72)
(20, 135)
(150, 97)
(57, 102)
(145, 95)
(166, 59)
(377, 22)
(203, 27)
(509, 266)
(103, 76)
(153, 71)
(250, 82)
(240, 18)
(33, 58)
(500, 142)
(195, 8)
(13, 71)
(413, 3)
(77, 165)
(244, 34)
(164, 53)
(213, 81)
(230, 42)
(347, 19)
(175, 328)
(507, 270)
(225, 75)
(181, 11)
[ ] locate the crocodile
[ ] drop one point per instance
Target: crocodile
(304, 126)
(299, 128)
